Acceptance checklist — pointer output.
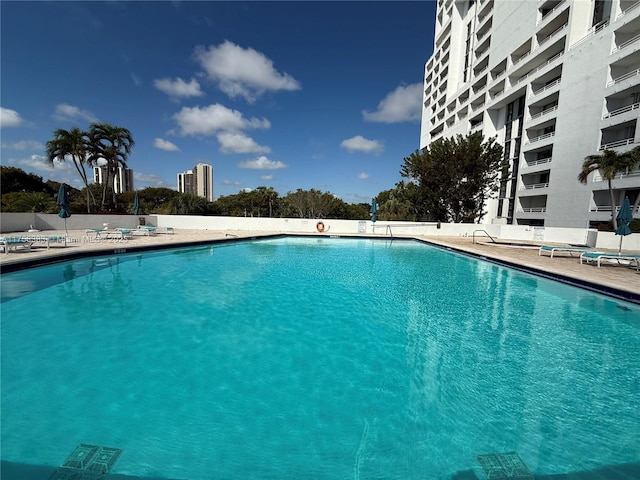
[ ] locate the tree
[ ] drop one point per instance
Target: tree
(112, 144)
(313, 204)
(610, 163)
(14, 179)
(38, 202)
(455, 176)
(73, 144)
(187, 204)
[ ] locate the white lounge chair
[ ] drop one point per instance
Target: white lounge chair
(554, 249)
(627, 259)
(14, 243)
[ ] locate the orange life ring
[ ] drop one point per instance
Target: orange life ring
(320, 226)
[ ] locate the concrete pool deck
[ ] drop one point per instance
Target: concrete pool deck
(604, 278)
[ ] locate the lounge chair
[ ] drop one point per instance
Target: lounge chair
(554, 249)
(627, 259)
(147, 230)
(14, 243)
(110, 234)
(48, 240)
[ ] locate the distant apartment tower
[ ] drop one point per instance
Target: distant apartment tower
(123, 181)
(555, 81)
(198, 181)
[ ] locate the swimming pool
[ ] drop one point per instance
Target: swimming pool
(315, 358)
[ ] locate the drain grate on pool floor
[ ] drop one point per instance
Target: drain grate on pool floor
(504, 466)
(87, 462)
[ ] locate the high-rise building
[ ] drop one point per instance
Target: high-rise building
(198, 181)
(555, 81)
(122, 182)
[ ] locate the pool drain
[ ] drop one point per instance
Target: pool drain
(504, 466)
(87, 462)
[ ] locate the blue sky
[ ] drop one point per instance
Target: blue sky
(289, 95)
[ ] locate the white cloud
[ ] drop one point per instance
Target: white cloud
(9, 118)
(242, 72)
(136, 79)
(59, 171)
(361, 144)
(214, 118)
(24, 145)
(266, 177)
(262, 163)
(363, 176)
(178, 87)
(151, 179)
(239, 143)
(65, 112)
(165, 145)
(229, 182)
(404, 104)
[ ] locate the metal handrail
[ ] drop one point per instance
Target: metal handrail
(626, 44)
(485, 232)
(546, 87)
(618, 111)
(534, 186)
(542, 137)
(619, 143)
(539, 161)
(624, 77)
(632, 7)
(388, 229)
(544, 112)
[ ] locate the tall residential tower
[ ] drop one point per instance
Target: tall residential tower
(198, 181)
(555, 81)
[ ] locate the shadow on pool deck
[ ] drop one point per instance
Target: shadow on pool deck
(627, 471)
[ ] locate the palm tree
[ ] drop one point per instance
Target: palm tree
(112, 144)
(73, 144)
(610, 163)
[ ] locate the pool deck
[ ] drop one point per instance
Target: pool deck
(569, 269)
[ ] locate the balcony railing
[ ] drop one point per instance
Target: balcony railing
(550, 12)
(547, 87)
(622, 110)
(632, 7)
(618, 143)
(544, 112)
(535, 186)
(626, 44)
(607, 208)
(550, 36)
(477, 126)
(542, 137)
(533, 210)
(540, 67)
(592, 31)
(624, 77)
(539, 161)
(597, 177)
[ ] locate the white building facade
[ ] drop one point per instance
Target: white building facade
(555, 81)
(122, 182)
(198, 181)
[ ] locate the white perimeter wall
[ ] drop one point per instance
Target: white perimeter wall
(21, 222)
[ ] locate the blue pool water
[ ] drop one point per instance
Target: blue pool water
(314, 358)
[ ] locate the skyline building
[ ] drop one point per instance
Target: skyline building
(197, 181)
(122, 182)
(555, 81)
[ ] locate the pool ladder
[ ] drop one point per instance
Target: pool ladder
(485, 232)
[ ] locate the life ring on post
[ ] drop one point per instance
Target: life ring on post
(320, 227)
